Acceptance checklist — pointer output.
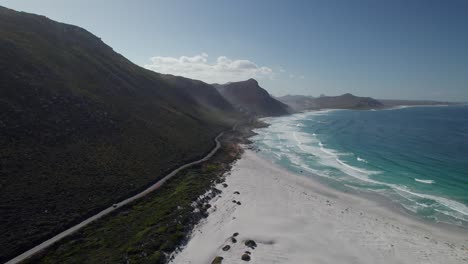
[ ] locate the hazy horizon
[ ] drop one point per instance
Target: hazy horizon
(391, 50)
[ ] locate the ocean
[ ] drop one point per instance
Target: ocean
(415, 156)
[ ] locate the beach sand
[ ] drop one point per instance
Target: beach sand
(295, 219)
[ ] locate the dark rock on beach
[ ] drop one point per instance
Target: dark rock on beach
(251, 244)
(245, 257)
(226, 247)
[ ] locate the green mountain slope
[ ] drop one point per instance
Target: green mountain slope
(82, 127)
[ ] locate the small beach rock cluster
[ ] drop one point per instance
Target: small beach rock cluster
(251, 244)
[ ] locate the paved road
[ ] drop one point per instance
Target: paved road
(153, 187)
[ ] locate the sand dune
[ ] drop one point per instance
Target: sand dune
(294, 219)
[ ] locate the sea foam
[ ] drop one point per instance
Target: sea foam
(424, 181)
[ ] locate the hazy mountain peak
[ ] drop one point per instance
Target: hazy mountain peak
(250, 98)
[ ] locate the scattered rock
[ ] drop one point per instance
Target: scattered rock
(247, 252)
(245, 257)
(251, 244)
(225, 185)
(234, 201)
(217, 260)
(238, 203)
(235, 234)
(233, 240)
(236, 192)
(226, 247)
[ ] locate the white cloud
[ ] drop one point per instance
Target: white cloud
(221, 71)
(294, 76)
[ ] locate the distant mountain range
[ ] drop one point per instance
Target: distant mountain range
(345, 101)
(298, 103)
(251, 99)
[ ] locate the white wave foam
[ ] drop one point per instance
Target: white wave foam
(326, 151)
(291, 139)
(453, 205)
(361, 160)
(299, 143)
(424, 181)
(367, 172)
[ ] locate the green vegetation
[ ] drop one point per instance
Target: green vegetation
(151, 228)
(82, 127)
(217, 260)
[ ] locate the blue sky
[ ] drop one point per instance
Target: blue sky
(384, 49)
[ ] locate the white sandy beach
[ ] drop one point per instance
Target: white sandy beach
(294, 219)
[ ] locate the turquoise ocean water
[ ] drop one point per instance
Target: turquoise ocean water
(416, 156)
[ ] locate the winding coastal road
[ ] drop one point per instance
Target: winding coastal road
(104, 212)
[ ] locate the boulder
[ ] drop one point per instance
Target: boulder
(245, 257)
(251, 244)
(226, 247)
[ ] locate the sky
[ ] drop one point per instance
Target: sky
(412, 49)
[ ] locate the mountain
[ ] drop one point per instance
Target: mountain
(82, 127)
(252, 99)
(396, 102)
(299, 102)
(348, 101)
(345, 101)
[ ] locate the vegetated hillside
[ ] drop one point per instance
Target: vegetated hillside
(82, 127)
(204, 94)
(345, 101)
(252, 99)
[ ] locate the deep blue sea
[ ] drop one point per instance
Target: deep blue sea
(416, 156)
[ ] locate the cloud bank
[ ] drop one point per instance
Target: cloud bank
(220, 71)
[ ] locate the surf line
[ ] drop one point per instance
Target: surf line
(299, 143)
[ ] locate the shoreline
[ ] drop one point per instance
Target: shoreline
(284, 212)
(444, 217)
